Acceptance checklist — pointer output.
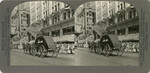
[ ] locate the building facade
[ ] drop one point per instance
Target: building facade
(61, 23)
(122, 19)
(20, 19)
(85, 19)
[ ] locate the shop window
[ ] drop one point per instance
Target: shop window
(121, 31)
(55, 33)
(134, 29)
(69, 30)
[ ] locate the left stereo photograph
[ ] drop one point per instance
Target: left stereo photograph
(42, 34)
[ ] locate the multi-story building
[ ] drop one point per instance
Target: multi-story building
(61, 25)
(121, 17)
(40, 10)
(39, 16)
(85, 19)
(20, 19)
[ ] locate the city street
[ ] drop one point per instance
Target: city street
(19, 58)
(82, 57)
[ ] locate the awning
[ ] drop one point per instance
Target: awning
(129, 37)
(64, 38)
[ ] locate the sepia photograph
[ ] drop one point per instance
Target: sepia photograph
(107, 34)
(42, 34)
(52, 33)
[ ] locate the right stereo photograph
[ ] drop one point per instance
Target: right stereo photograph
(106, 34)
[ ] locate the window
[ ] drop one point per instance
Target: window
(69, 30)
(121, 18)
(55, 19)
(124, 17)
(134, 29)
(87, 13)
(58, 18)
(55, 33)
(134, 12)
(121, 31)
(121, 6)
(64, 16)
(130, 14)
(55, 8)
(87, 19)
(58, 6)
(68, 14)
(23, 21)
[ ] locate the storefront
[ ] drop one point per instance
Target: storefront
(62, 32)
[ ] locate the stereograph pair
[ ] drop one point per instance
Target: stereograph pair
(97, 33)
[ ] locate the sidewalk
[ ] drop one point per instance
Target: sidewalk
(124, 53)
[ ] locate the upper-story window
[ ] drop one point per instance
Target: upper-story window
(58, 18)
(130, 14)
(134, 13)
(69, 14)
(58, 6)
(65, 16)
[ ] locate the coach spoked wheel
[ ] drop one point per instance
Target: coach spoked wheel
(42, 51)
(34, 51)
(120, 52)
(107, 50)
(99, 50)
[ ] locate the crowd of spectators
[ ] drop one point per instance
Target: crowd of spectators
(130, 46)
(66, 48)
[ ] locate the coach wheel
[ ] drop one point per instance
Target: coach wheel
(34, 51)
(120, 52)
(99, 50)
(107, 50)
(42, 51)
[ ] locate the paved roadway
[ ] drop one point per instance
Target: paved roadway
(19, 58)
(82, 57)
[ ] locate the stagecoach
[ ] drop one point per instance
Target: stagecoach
(105, 43)
(108, 44)
(43, 45)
